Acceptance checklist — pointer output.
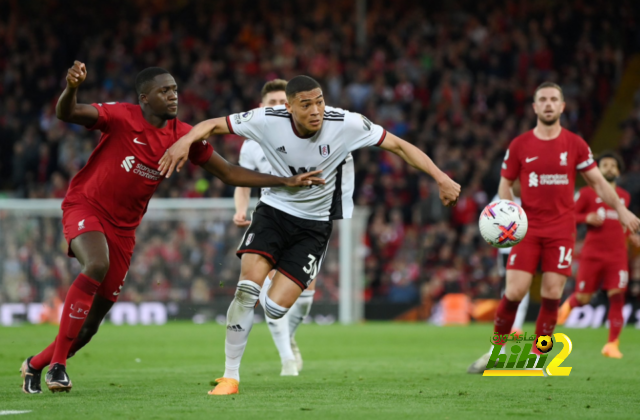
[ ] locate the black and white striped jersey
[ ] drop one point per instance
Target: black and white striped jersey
(328, 150)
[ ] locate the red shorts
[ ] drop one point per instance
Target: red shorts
(554, 254)
(595, 273)
(77, 220)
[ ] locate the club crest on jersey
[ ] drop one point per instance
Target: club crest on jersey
(324, 150)
(249, 239)
(563, 158)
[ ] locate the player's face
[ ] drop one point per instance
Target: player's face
(548, 105)
(307, 109)
(609, 169)
(274, 99)
(162, 97)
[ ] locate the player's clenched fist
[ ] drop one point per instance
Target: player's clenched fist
(449, 191)
(76, 74)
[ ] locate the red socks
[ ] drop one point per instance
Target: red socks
(75, 311)
(42, 359)
(573, 301)
(505, 315)
(616, 320)
(548, 316)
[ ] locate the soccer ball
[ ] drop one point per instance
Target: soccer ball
(503, 224)
(544, 343)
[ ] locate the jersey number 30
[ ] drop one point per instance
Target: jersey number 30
(312, 269)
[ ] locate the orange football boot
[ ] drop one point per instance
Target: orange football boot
(225, 386)
(563, 312)
(611, 350)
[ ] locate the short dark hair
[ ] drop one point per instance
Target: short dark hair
(548, 85)
(300, 84)
(147, 75)
(612, 155)
(275, 85)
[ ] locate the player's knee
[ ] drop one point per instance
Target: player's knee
(97, 269)
(247, 293)
(583, 298)
(273, 309)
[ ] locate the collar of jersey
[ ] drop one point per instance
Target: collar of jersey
(293, 127)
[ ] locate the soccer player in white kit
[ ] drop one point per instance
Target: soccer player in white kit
(282, 330)
(291, 227)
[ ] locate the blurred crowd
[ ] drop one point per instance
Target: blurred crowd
(453, 78)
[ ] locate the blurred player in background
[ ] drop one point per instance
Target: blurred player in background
(107, 199)
(290, 230)
(545, 160)
(503, 258)
(283, 330)
(603, 259)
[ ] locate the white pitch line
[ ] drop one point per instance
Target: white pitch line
(9, 412)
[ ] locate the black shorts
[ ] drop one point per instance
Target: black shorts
(295, 246)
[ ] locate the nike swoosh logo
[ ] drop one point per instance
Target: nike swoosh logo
(138, 142)
(75, 317)
(531, 159)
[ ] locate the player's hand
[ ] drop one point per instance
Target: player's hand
(240, 220)
(629, 221)
(449, 191)
(635, 240)
(594, 219)
(76, 74)
(304, 180)
(175, 157)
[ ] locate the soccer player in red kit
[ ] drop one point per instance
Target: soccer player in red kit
(545, 160)
(107, 199)
(603, 259)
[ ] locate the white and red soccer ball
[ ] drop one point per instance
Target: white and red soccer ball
(503, 224)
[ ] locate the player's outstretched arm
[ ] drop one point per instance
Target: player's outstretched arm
(68, 109)
(239, 176)
(596, 180)
(241, 198)
(505, 191)
(177, 155)
(449, 190)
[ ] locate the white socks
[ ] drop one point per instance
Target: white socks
(522, 313)
(239, 323)
(283, 329)
(300, 310)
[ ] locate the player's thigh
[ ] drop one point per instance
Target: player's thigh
(302, 259)
(283, 291)
(552, 285)
(615, 276)
(86, 237)
(589, 275)
(255, 267)
(557, 254)
(518, 284)
(120, 253)
(264, 237)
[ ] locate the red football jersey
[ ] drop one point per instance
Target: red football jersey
(120, 176)
(547, 171)
(606, 242)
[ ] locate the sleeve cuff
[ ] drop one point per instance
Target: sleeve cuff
(229, 124)
(98, 121)
(384, 135)
(586, 165)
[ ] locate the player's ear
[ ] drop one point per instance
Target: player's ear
(288, 106)
(142, 98)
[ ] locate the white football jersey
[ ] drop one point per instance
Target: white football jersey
(328, 150)
(252, 157)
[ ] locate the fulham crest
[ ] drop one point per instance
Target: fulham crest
(249, 239)
(324, 150)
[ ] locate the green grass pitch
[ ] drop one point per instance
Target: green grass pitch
(368, 371)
